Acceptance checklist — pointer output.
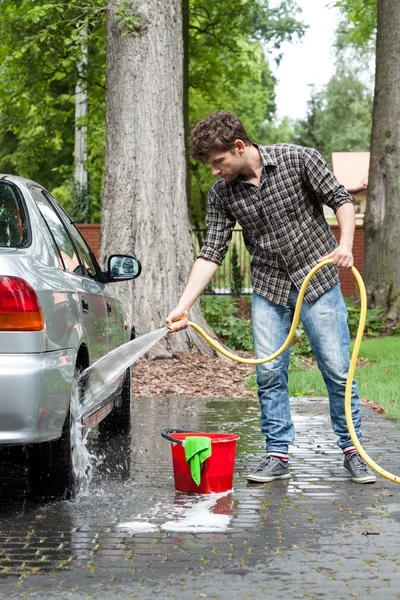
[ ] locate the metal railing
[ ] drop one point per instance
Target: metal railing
(223, 280)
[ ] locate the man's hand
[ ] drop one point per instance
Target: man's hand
(342, 257)
(200, 276)
(177, 320)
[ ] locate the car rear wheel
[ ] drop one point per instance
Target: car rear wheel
(50, 470)
(119, 420)
(50, 464)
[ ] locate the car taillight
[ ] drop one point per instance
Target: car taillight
(19, 306)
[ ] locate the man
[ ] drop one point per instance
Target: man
(276, 193)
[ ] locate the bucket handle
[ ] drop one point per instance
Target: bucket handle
(165, 434)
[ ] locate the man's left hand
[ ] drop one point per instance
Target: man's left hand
(342, 257)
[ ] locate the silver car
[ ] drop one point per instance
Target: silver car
(58, 314)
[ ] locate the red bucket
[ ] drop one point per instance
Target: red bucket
(217, 470)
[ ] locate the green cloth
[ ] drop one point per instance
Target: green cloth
(197, 450)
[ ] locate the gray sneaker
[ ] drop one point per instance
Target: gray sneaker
(269, 469)
(358, 469)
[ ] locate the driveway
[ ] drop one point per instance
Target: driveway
(132, 535)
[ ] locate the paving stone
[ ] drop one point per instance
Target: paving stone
(317, 535)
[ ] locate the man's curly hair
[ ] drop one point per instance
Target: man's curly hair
(217, 131)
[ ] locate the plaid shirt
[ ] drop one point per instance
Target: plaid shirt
(283, 225)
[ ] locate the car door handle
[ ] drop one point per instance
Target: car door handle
(109, 308)
(85, 305)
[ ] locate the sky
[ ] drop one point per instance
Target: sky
(310, 61)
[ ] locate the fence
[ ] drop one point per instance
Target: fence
(222, 281)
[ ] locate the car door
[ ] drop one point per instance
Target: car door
(82, 275)
(115, 315)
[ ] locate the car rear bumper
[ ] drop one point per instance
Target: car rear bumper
(35, 393)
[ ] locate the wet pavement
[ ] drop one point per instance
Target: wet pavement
(317, 535)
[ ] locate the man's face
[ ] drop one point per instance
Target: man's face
(226, 164)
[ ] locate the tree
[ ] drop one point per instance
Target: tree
(43, 42)
(228, 69)
(360, 24)
(43, 50)
(144, 199)
(339, 116)
(253, 101)
(382, 219)
(41, 67)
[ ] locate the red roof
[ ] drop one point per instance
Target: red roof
(351, 169)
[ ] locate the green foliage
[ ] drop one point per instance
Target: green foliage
(374, 322)
(278, 132)
(126, 18)
(219, 312)
(360, 20)
(224, 40)
(237, 277)
(345, 100)
(80, 207)
(228, 70)
(42, 45)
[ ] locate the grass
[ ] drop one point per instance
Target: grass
(378, 376)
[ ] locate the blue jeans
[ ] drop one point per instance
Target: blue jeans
(325, 323)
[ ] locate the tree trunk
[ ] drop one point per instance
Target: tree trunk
(81, 115)
(382, 220)
(81, 204)
(144, 200)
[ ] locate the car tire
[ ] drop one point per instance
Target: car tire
(119, 420)
(50, 472)
(50, 466)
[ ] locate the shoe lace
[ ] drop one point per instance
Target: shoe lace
(266, 461)
(357, 462)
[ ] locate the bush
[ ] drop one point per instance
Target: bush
(374, 322)
(237, 277)
(219, 312)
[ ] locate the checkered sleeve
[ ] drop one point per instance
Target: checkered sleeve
(220, 225)
(321, 181)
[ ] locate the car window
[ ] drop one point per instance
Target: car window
(79, 241)
(14, 231)
(59, 232)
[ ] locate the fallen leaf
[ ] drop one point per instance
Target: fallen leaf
(368, 532)
(373, 405)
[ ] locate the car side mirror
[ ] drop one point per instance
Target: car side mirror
(122, 267)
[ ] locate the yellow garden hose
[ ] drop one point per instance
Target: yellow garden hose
(353, 360)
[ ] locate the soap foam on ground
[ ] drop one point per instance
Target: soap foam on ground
(195, 516)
